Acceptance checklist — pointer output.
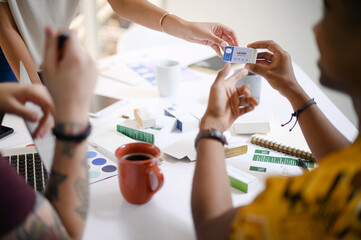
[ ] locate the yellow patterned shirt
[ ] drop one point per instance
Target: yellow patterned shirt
(322, 204)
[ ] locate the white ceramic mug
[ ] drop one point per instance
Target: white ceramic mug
(255, 81)
(168, 75)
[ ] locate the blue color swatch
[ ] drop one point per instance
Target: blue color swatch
(91, 154)
(109, 168)
(99, 161)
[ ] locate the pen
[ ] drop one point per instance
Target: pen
(61, 40)
(302, 165)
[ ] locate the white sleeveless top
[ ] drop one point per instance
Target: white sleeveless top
(32, 16)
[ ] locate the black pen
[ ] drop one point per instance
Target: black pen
(302, 164)
(61, 41)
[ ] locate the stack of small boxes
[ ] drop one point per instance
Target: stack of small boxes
(148, 128)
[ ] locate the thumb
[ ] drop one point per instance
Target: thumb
(223, 73)
(256, 68)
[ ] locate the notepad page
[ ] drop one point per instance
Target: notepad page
(283, 136)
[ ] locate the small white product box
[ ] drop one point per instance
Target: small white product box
(241, 180)
(186, 122)
(144, 118)
(251, 124)
(241, 55)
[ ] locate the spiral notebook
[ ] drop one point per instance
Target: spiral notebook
(282, 140)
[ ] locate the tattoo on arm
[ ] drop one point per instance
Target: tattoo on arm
(68, 149)
(37, 225)
(81, 188)
(52, 191)
(82, 192)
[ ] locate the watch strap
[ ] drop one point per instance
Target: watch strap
(61, 133)
(211, 133)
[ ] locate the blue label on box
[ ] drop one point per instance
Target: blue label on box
(228, 53)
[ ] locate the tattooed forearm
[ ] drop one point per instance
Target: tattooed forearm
(82, 192)
(52, 191)
(37, 227)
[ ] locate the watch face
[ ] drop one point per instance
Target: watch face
(211, 133)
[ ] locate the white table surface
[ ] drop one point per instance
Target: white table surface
(168, 214)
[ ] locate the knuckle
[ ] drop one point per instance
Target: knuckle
(286, 54)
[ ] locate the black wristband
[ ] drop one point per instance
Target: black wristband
(298, 112)
(61, 135)
(211, 133)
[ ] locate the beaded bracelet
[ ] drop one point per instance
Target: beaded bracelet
(298, 112)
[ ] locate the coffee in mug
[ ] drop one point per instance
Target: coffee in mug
(137, 157)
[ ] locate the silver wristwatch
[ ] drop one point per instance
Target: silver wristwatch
(211, 133)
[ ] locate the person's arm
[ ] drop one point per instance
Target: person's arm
(71, 80)
(13, 45)
(147, 14)
(211, 195)
(43, 222)
(322, 137)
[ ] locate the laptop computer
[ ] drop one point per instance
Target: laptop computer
(33, 163)
(26, 161)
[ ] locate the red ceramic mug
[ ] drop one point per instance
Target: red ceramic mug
(139, 175)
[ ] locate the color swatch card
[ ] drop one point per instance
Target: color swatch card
(100, 167)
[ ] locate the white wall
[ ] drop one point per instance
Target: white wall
(288, 22)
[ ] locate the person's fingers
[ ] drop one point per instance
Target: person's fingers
(20, 110)
(237, 76)
(270, 45)
(223, 73)
(256, 68)
(245, 97)
(219, 41)
(264, 63)
(229, 32)
(50, 51)
(228, 39)
(253, 101)
(38, 95)
(266, 55)
(214, 36)
(246, 109)
(244, 91)
(216, 49)
(245, 101)
(45, 124)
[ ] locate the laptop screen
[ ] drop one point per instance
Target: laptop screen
(45, 145)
